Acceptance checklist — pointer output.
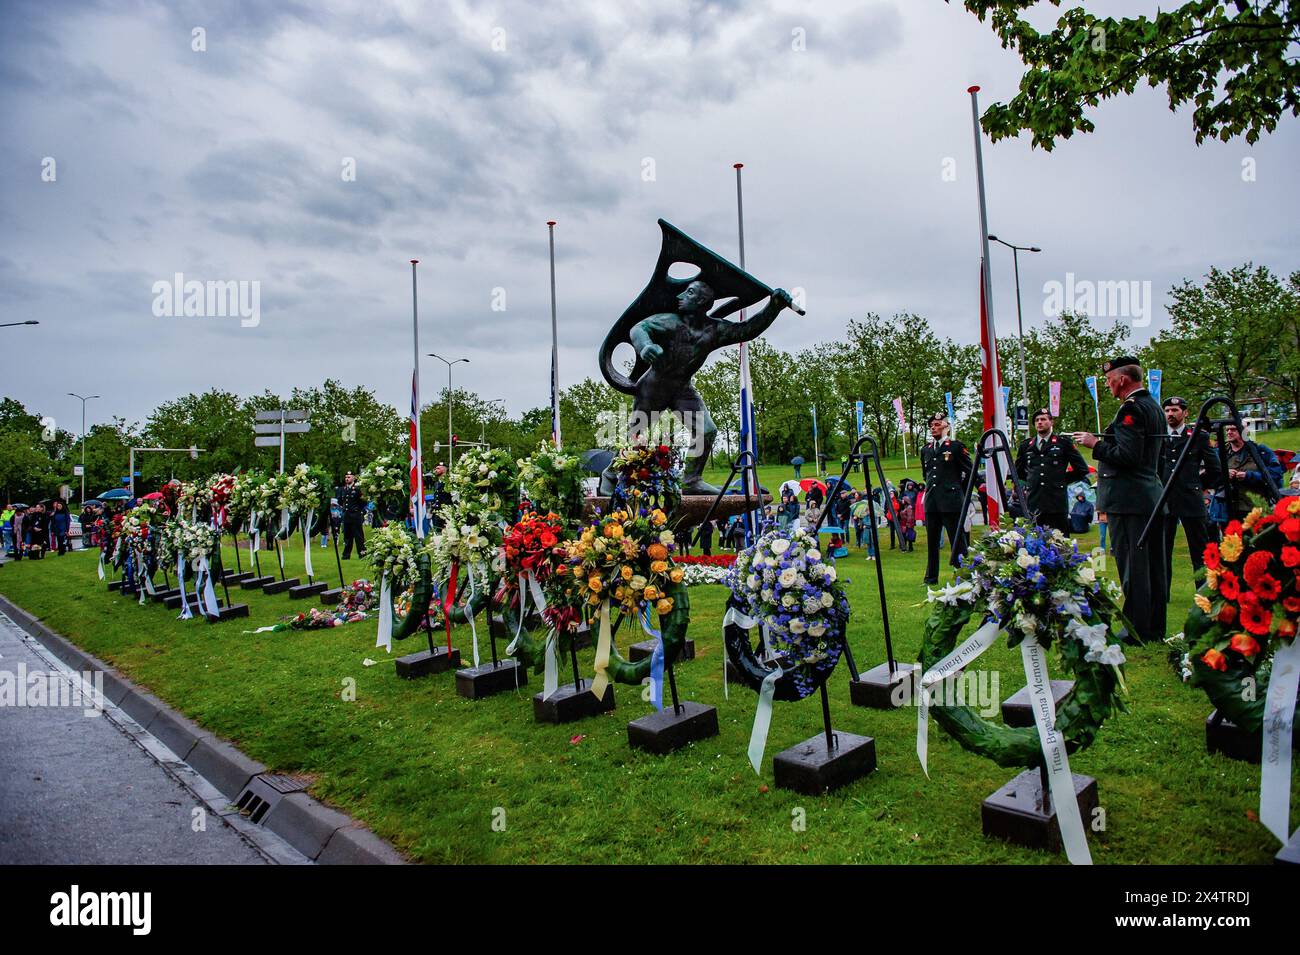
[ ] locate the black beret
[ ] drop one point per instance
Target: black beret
(1175, 401)
(1043, 411)
(937, 416)
(1119, 362)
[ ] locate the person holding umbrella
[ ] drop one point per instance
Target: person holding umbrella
(797, 462)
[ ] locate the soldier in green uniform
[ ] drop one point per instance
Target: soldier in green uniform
(1128, 465)
(946, 465)
(1045, 462)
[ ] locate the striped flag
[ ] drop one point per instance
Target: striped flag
(748, 440)
(994, 404)
(417, 467)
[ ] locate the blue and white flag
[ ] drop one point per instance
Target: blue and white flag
(952, 413)
(1154, 380)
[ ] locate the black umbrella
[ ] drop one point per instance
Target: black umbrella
(596, 460)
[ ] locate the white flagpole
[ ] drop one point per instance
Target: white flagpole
(418, 511)
(555, 346)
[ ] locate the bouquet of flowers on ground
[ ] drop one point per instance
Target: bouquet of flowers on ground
(484, 481)
(313, 619)
(189, 540)
(624, 557)
(649, 476)
(783, 582)
(1249, 604)
(384, 481)
(303, 489)
(695, 575)
(358, 597)
(219, 488)
(1033, 580)
(552, 481)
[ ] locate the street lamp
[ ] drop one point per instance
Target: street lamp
(11, 324)
(1020, 326)
(84, 399)
(449, 364)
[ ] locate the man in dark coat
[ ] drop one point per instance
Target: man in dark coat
(1048, 463)
(1185, 502)
(946, 465)
(354, 511)
(1128, 466)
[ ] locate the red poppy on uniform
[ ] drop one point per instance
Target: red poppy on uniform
(1128, 419)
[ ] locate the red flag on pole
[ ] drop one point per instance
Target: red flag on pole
(995, 415)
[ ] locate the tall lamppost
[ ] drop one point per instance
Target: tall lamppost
(83, 399)
(1020, 325)
(449, 364)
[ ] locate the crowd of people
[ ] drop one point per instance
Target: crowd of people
(32, 531)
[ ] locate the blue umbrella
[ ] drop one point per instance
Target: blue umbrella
(797, 461)
(117, 494)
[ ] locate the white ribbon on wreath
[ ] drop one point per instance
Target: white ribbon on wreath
(1279, 724)
(965, 654)
(180, 582)
(385, 636)
(306, 542)
(469, 612)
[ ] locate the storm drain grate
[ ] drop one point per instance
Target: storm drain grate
(264, 791)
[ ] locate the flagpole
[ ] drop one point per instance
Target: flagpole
(986, 293)
(747, 425)
(417, 508)
(555, 347)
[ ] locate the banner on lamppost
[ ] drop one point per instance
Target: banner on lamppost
(857, 410)
(952, 413)
(1154, 380)
(1054, 398)
(1091, 381)
(902, 418)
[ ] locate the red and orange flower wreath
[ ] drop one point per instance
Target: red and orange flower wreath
(534, 548)
(1240, 636)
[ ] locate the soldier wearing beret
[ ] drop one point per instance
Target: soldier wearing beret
(1128, 466)
(946, 465)
(1044, 463)
(1185, 502)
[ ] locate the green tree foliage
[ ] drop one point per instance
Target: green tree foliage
(1234, 61)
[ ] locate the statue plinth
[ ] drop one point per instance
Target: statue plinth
(693, 508)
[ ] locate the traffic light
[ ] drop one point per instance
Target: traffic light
(455, 440)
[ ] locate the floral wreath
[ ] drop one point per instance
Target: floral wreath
(552, 482)
(1247, 608)
(647, 476)
(484, 481)
(401, 561)
(245, 495)
(384, 481)
(1032, 580)
(189, 540)
(304, 491)
(782, 585)
(219, 488)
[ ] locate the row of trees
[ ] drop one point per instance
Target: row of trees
(1237, 333)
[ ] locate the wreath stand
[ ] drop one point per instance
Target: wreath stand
(256, 581)
(890, 684)
(334, 596)
(283, 584)
(572, 701)
(239, 575)
(474, 683)
(1022, 811)
(313, 587)
(1016, 709)
(820, 763)
(423, 663)
(1221, 734)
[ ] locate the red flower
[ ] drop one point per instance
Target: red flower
(1291, 556)
(1128, 419)
(1291, 604)
(1256, 566)
(1286, 629)
(1244, 645)
(1227, 614)
(1229, 586)
(1215, 660)
(1211, 556)
(1234, 527)
(1291, 528)
(1256, 619)
(1268, 587)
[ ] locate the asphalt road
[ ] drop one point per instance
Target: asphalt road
(77, 790)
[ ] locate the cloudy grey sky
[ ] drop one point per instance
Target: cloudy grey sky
(471, 124)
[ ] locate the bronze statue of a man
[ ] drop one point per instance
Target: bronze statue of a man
(673, 333)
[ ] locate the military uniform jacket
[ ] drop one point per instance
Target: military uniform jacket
(349, 498)
(946, 465)
(1200, 471)
(1044, 471)
(1128, 457)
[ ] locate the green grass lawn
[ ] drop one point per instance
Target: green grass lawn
(426, 769)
